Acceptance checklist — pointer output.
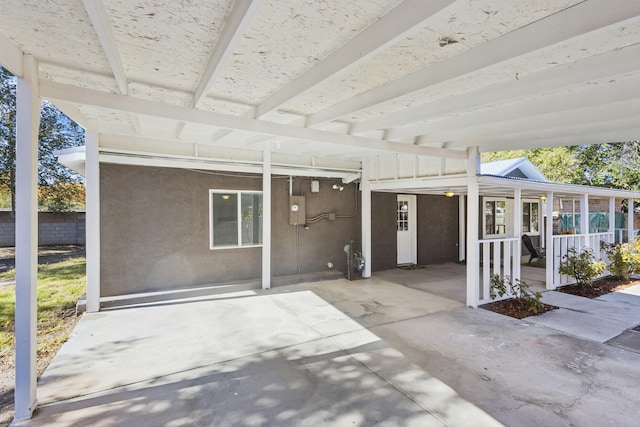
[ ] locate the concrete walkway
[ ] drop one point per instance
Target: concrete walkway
(335, 353)
(599, 319)
(280, 358)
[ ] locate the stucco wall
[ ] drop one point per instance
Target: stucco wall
(437, 229)
(321, 242)
(155, 230)
(383, 231)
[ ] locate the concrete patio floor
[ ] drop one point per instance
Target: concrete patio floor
(360, 353)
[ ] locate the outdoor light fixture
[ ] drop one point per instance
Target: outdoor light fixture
(337, 187)
(449, 193)
(543, 197)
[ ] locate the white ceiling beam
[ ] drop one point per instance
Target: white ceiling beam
(100, 20)
(607, 65)
(128, 104)
(588, 99)
(406, 18)
(566, 129)
(618, 135)
(11, 57)
(239, 19)
(74, 113)
(584, 17)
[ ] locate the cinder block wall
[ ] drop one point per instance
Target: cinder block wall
(63, 228)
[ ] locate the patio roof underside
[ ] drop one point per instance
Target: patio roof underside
(338, 79)
(499, 186)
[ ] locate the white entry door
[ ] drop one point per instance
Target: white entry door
(406, 228)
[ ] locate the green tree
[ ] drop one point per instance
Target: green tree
(56, 132)
(601, 165)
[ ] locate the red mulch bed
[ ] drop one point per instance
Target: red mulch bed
(512, 308)
(599, 288)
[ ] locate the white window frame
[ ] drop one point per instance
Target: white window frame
(484, 218)
(238, 194)
(532, 201)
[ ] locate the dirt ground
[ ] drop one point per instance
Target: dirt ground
(46, 255)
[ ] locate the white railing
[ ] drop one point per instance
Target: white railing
(561, 246)
(621, 234)
(497, 257)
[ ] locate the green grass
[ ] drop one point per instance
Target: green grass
(5, 200)
(60, 285)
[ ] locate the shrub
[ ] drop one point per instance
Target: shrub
(624, 258)
(528, 300)
(582, 266)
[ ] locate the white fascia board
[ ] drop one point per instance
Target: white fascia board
(149, 146)
(556, 187)
(219, 165)
(73, 158)
(531, 170)
(418, 183)
(11, 57)
(123, 103)
(585, 17)
(178, 163)
(310, 172)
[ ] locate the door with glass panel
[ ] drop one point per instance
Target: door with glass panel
(406, 229)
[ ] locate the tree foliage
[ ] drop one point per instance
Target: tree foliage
(601, 165)
(56, 132)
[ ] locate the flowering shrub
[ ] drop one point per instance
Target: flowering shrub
(624, 258)
(582, 266)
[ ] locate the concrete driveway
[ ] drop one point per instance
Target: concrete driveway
(332, 353)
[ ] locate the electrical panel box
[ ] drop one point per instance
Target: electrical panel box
(296, 210)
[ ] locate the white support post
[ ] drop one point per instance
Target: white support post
(266, 219)
(630, 210)
(461, 228)
(549, 243)
(28, 121)
(584, 218)
(473, 206)
(541, 213)
(517, 229)
(366, 218)
(612, 217)
(92, 229)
